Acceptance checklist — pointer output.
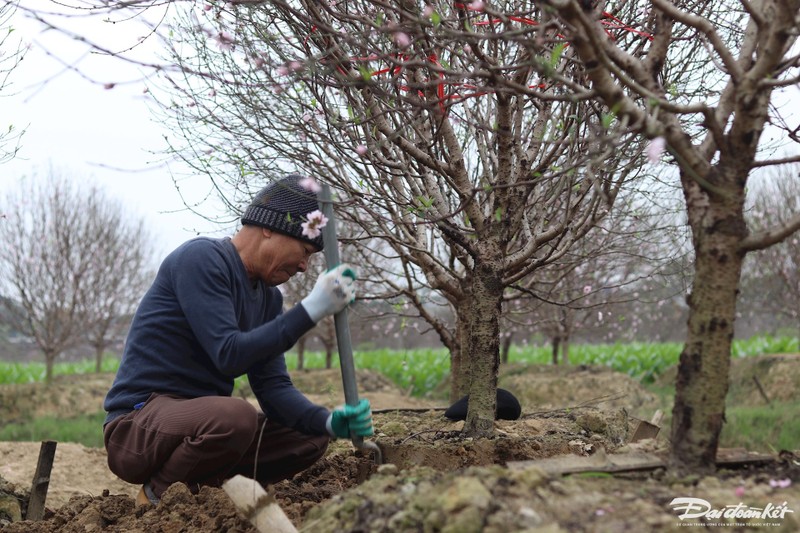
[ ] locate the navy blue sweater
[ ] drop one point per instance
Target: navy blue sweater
(200, 325)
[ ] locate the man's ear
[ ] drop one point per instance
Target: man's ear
(266, 232)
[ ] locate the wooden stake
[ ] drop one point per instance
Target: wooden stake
(257, 506)
(41, 480)
(762, 391)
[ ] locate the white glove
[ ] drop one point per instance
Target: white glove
(333, 291)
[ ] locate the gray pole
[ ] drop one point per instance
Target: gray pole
(343, 341)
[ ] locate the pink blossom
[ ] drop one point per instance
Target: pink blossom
(225, 41)
(780, 483)
(310, 184)
(739, 491)
(361, 149)
(477, 5)
(655, 148)
(587, 289)
(212, 93)
(296, 65)
(315, 221)
(282, 71)
(427, 10)
(259, 62)
(402, 39)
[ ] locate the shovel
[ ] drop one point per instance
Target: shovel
(340, 321)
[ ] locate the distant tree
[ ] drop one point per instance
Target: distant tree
(119, 274)
(772, 275)
(612, 269)
(71, 259)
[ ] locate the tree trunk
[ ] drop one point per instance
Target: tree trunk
(555, 342)
(98, 357)
(486, 296)
(329, 341)
(702, 381)
(49, 362)
(506, 348)
(565, 350)
(301, 352)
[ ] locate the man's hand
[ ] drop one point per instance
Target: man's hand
(350, 420)
(333, 291)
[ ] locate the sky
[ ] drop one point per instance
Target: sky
(105, 136)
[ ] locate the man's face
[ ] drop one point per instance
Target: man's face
(283, 257)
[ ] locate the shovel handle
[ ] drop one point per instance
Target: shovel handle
(343, 340)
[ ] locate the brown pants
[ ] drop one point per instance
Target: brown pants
(204, 441)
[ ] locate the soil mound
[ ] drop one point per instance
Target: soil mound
(66, 397)
(439, 480)
(756, 380)
(542, 387)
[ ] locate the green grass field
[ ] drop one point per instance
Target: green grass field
(421, 371)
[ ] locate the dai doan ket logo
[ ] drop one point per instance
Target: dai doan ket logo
(700, 508)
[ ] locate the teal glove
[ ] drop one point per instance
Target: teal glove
(333, 291)
(350, 420)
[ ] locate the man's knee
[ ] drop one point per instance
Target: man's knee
(232, 418)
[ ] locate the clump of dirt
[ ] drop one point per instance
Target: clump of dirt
(179, 510)
(498, 500)
(12, 501)
(428, 439)
(332, 475)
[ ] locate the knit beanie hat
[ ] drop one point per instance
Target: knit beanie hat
(282, 206)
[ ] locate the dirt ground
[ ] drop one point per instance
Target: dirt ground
(436, 480)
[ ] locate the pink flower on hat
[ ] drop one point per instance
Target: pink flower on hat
(315, 221)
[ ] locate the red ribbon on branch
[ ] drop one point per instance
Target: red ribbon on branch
(608, 20)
